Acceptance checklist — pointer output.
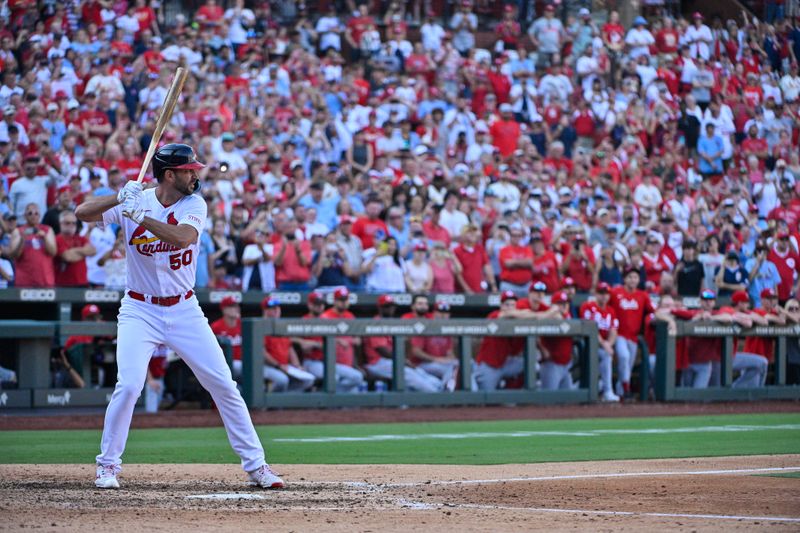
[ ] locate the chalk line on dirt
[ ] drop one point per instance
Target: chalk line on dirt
(600, 475)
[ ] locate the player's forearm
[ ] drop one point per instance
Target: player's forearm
(182, 235)
(92, 209)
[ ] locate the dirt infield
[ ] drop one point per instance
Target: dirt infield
(210, 418)
(729, 493)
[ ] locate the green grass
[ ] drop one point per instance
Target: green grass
(785, 474)
(209, 445)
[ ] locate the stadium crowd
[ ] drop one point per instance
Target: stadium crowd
(374, 146)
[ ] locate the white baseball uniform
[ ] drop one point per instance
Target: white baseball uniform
(158, 270)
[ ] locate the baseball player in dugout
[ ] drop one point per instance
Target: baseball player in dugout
(161, 226)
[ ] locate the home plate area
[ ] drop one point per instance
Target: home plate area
(730, 493)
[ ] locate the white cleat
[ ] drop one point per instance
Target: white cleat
(106, 477)
(609, 396)
(265, 478)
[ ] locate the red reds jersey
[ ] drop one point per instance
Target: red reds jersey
(344, 345)
(630, 308)
(761, 345)
(232, 333)
(278, 348)
(493, 351)
(604, 317)
(560, 348)
(372, 344)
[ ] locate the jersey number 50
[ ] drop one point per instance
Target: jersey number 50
(178, 260)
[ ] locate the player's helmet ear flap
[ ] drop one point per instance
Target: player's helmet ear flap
(174, 156)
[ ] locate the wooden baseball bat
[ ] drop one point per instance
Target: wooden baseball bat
(163, 119)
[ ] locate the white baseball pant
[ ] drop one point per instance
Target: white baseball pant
(183, 328)
(416, 379)
(348, 379)
(555, 376)
(488, 377)
(626, 357)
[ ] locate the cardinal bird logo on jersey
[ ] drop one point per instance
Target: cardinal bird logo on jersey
(144, 241)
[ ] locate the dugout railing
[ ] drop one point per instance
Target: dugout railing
(666, 376)
(254, 330)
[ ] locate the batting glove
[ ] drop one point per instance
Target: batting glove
(132, 209)
(132, 189)
(137, 214)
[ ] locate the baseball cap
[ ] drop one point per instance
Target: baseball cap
(549, 7)
(345, 219)
(270, 302)
(564, 191)
(315, 298)
(507, 295)
(568, 282)
(385, 299)
(9, 216)
(420, 247)
(603, 287)
(768, 293)
(341, 294)
(506, 108)
(228, 301)
(708, 294)
(228, 136)
(739, 297)
(274, 158)
(538, 287)
(583, 12)
(250, 187)
(442, 307)
(560, 297)
(73, 104)
(52, 106)
(89, 310)
(9, 109)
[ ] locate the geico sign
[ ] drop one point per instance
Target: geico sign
(452, 299)
(101, 296)
(287, 297)
(37, 295)
(216, 297)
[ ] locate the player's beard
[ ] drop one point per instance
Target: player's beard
(187, 189)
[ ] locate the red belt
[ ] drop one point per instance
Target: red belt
(165, 301)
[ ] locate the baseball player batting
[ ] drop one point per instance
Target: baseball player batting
(161, 226)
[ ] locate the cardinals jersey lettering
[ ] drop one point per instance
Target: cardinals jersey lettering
(158, 268)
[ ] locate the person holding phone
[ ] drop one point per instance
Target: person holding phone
(33, 249)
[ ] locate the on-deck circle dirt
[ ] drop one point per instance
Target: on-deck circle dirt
(407, 497)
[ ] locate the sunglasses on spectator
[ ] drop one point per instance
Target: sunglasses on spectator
(793, 309)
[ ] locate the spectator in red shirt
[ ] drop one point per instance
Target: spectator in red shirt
(516, 263)
(209, 15)
(71, 253)
(579, 264)
(229, 327)
(545, 265)
(33, 248)
(292, 260)
(370, 228)
(281, 364)
(599, 311)
(787, 260)
(505, 131)
(631, 306)
(478, 274)
(348, 378)
(95, 121)
(434, 231)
